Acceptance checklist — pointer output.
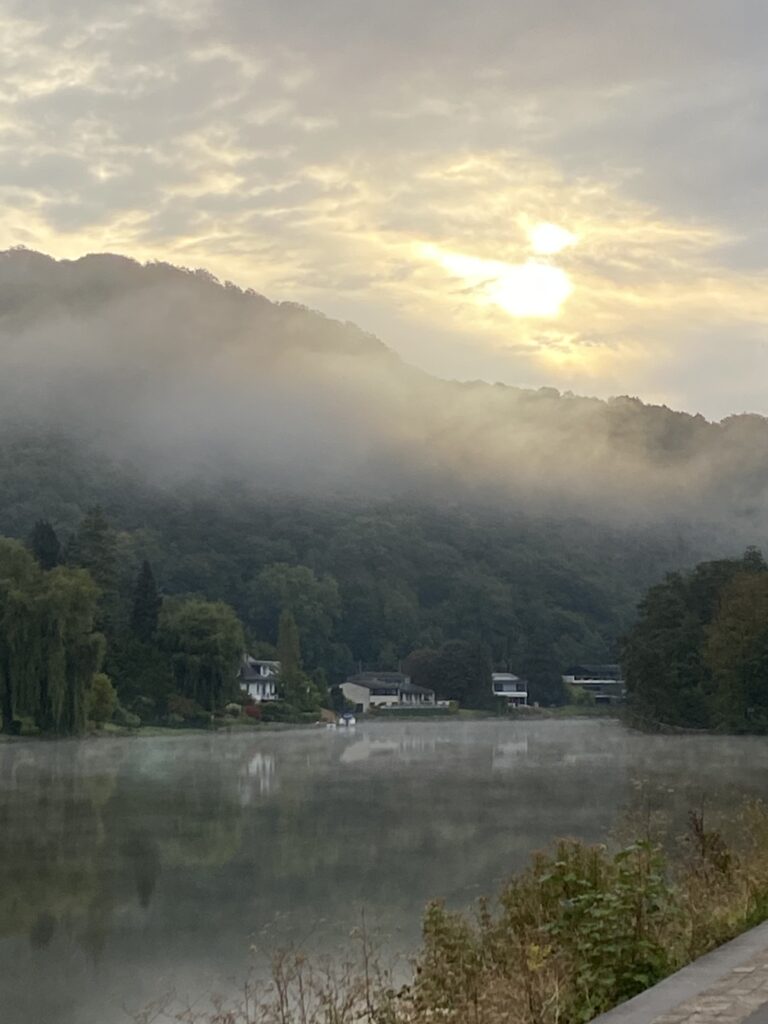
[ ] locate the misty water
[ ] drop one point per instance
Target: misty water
(130, 868)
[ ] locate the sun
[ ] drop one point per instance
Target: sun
(531, 289)
(548, 239)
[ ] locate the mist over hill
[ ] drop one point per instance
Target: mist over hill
(192, 378)
(226, 435)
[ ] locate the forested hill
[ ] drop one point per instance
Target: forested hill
(259, 453)
(182, 375)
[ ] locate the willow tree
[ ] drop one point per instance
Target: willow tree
(20, 640)
(205, 641)
(72, 649)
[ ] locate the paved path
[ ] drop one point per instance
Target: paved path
(727, 986)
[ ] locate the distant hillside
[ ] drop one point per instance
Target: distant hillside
(226, 435)
(182, 374)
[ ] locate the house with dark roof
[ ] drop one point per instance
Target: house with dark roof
(385, 690)
(259, 678)
(604, 682)
(510, 688)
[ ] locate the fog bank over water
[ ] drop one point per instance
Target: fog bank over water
(130, 868)
(187, 379)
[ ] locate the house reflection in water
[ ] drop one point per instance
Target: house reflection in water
(258, 777)
(509, 754)
(403, 748)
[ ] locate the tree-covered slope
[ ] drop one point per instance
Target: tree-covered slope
(262, 454)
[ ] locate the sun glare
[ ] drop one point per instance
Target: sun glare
(530, 289)
(548, 239)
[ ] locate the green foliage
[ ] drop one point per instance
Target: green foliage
(45, 546)
(459, 671)
(102, 699)
(127, 719)
(283, 711)
(366, 580)
(145, 612)
(578, 696)
(313, 601)
(736, 653)
(49, 648)
(94, 548)
(698, 655)
(294, 687)
(205, 641)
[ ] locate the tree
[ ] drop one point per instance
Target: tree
(463, 673)
(736, 651)
(73, 649)
(206, 643)
(102, 699)
(682, 654)
(45, 545)
(294, 687)
(20, 634)
(96, 549)
(312, 600)
(49, 648)
(423, 666)
(146, 605)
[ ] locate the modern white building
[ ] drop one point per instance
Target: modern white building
(510, 688)
(603, 682)
(385, 690)
(259, 678)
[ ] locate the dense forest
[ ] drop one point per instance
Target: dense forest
(697, 657)
(259, 456)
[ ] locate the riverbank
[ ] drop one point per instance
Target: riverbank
(245, 724)
(584, 933)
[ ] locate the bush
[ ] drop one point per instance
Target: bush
(253, 711)
(184, 711)
(102, 699)
(578, 932)
(125, 718)
(281, 711)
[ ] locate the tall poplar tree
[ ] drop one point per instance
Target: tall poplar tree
(146, 605)
(45, 545)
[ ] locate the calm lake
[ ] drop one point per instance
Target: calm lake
(130, 868)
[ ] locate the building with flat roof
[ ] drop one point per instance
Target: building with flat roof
(604, 682)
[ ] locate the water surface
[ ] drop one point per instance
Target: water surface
(134, 867)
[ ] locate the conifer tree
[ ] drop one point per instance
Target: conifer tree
(45, 545)
(96, 549)
(146, 605)
(293, 685)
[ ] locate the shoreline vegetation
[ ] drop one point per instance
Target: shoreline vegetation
(244, 724)
(581, 930)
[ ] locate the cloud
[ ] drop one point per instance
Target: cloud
(311, 149)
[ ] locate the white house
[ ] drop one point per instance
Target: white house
(509, 687)
(385, 690)
(259, 678)
(604, 682)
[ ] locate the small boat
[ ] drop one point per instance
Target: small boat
(347, 719)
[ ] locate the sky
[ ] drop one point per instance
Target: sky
(550, 193)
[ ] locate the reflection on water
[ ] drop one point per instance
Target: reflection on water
(132, 867)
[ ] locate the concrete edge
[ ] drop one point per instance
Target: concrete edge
(690, 981)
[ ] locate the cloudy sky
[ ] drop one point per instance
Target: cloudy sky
(559, 192)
